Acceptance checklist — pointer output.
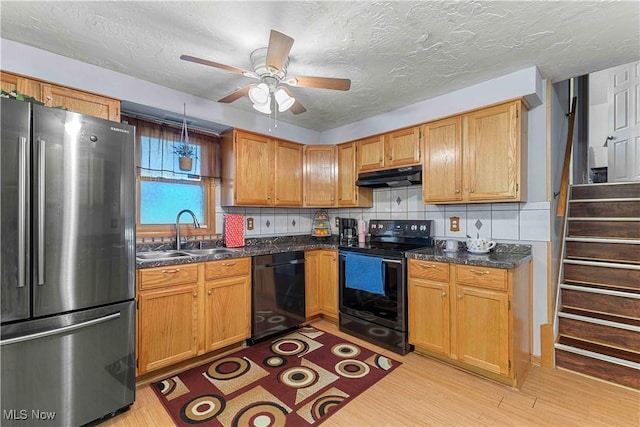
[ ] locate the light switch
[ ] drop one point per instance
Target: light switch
(250, 223)
(454, 223)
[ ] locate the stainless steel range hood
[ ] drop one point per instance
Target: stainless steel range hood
(399, 177)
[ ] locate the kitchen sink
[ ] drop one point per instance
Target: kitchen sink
(153, 255)
(211, 251)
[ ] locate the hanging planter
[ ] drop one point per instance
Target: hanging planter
(185, 163)
(184, 150)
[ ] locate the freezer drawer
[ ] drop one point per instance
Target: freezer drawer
(68, 370)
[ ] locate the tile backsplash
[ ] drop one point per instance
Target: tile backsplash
(500, 221)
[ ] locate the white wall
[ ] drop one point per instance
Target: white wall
(598, 118)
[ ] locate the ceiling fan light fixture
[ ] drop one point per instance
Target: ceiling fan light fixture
(263, 107)
(259, 94)
(284, 100)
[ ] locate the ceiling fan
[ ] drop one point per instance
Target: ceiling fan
(270, 68)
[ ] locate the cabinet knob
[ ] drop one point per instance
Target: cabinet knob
(209, 292)
(457, 191)
(195, 294)
(459, 296)
(389, 157)
(380, 159)
(268, 197)
(472, 191)
(444, 294)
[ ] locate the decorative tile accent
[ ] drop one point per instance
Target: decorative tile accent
(398, 200)
(268, 223)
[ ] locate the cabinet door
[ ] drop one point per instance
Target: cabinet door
(328, 283)
(402, 148)
(429, 315)
(253, 169)
(347, 190)
(442, 171)
(311, 283)
(319, 175)
(483, 329)
(492, 141)
(371, 153)
(168, 325)
(288, 174)
(227, 312)
(81, 102)
(11, 82)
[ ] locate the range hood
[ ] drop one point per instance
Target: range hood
(399, 177)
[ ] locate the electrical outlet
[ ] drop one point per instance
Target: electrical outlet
(337, 222)
(454, 223)
(249, 223)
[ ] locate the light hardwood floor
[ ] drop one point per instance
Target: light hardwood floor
(425, 392)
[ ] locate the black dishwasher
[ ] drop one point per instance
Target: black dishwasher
(277, 294)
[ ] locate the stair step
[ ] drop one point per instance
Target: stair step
(614, 274)
(603, 250)
(598, 331)
(605, 190)
(616, 353)
(587, 299)
(586, 363)
(621, 322)
(628, 289)
(616, 208)
(604, 227)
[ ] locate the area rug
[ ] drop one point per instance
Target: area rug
(299, 379)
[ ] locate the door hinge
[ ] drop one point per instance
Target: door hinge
(509, 364)
(508, 305)
(419, 154)
(137, 363)
(138, 305)
(517, 186)
(517, 113)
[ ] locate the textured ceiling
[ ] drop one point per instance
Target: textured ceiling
(395, 53)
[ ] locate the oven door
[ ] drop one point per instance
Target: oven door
(385, 310)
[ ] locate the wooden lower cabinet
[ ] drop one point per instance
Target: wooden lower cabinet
(188, 310)
(477, 318)
(321, 283)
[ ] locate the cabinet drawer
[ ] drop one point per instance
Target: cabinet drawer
(438, 271)
(482, 277)
(168, 276)
(227, 268)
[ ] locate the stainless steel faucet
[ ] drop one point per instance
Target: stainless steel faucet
(196, 224)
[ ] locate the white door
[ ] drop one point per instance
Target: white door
(624, 123)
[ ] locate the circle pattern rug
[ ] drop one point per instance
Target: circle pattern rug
(299, 379)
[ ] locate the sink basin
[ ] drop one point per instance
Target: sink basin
(161, 254)
(211, 251)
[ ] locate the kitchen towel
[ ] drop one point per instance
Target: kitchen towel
(233, 230)
(365, 273)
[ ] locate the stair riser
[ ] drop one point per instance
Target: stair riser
(617, 374)
(618, 277)
(616, 252)
(600, 334)
(604, 209)
(619, 306)
(618, 229)
(605, 191)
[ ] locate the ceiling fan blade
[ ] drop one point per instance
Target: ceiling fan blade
(278, 50)
(319, 82)
(297, 108)
(217, 65)
(235, 95)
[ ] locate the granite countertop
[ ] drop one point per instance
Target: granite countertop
(507, 256)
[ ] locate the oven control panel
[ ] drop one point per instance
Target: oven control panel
(400, 227)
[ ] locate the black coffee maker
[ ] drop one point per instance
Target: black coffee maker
(348, 231)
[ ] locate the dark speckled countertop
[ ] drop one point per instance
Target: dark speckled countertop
(507, 256)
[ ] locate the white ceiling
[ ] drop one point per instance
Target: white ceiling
(395, 53)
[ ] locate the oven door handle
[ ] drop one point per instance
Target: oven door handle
(392, 261)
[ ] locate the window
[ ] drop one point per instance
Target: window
(165, 186)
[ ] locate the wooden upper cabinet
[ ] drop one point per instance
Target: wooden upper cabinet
(350, 195)
(60, 96)
(371, 153)
(494, 148)
(320, 183)
(81, 102)
(402, 148)
(476, 157)
(442, 170)
(288, 173)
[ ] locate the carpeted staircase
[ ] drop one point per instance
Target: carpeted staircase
(599, 311)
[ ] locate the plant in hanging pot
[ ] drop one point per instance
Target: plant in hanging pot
(185, 152)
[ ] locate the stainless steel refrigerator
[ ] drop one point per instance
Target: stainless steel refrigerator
(67, 248)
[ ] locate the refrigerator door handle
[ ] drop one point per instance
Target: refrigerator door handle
(41, 203)
(22, 210)
(62, 330)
